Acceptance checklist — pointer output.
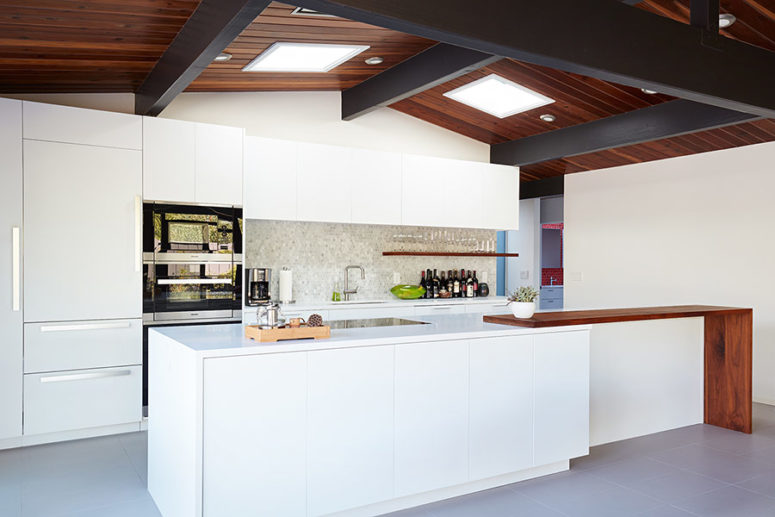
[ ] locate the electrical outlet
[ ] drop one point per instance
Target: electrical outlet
(396, 278)
(576, 276)
(524, 275)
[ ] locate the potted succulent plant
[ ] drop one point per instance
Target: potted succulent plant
(522, 302)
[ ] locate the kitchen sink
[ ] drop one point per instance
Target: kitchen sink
(372, 322)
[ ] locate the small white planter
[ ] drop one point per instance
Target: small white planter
(523, 309)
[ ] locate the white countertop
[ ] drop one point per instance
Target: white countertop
(230, 340)
(365, 304)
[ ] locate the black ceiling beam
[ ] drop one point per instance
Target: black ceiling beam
(605, 39)
(210, 29)
(704, 14)
(664, 120)
(554, 186)
(437, 65)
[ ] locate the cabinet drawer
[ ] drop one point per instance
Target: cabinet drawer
(551, 303)
(429, 310)
(373, 312)
(82, 344)
(64, 401)
(551, 291)
(488, 308)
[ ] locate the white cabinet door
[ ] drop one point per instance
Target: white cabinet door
(422, 180)
(501, 402)
(66, 401)
(10, 268)
(371, 312)
(323, 184)
(561, 396)
(431, 416)
(82, 126)
(499, 184)
(218, 164)
(255, 435)
(462, 187)
(488, 308)
(169, 172)
(82, 251)
(270, 179)
(376, 187)
(436, 310)
(349, 428)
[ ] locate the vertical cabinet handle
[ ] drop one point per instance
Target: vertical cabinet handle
(15, 272)
(138, 233)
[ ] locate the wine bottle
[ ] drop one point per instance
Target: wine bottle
(428, 283)
(436, 283)
(456, 287)
(469, 286)
(450, 283)
(423, 285)
(476, 285)
(443, 283)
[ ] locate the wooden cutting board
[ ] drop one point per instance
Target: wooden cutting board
(286, 333)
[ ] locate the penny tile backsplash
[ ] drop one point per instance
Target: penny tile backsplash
(317, 253)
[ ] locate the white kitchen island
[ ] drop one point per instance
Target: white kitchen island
(369, 421)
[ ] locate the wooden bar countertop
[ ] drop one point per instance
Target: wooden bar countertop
(589, 317)
(728, 351)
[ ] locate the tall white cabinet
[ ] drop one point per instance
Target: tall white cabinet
(10, 269)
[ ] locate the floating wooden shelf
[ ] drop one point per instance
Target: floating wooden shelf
(445, 254)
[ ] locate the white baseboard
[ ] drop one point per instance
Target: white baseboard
(433, 496)
(92, 432)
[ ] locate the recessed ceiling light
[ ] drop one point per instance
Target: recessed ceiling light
(548, 117)
(376, 60)
(498, 96)
(650, 92)
(725, 20)
(302, 57)
(303, 11)
(222, 57)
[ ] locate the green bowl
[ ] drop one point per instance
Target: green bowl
(408, 292)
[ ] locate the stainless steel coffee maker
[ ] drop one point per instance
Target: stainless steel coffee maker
(257, 281)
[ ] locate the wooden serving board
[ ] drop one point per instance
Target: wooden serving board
(286, 333)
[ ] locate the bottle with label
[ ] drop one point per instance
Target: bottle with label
(442, 284)
(469, 286)
(450, 283)
(456, 287)
(462, 283)
(436, 284)
(476, 285)
(423, 284)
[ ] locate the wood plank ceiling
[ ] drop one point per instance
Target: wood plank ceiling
(111, 45)
(78, 46)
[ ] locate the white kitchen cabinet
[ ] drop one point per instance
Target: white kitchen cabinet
(436, 310)
(218, 164)
(499, 185)
(79, 345)
(370, 312)
(323, 183)
(431, 416)
(349, 431)
(82, 126)
(270, 179)
(501, 402)
(423, 178)
(65, 401)
(254, 434)
(82, 249)
(169, 159)
(561, 396)
(10, 268)
(375, 178)
(488, 308)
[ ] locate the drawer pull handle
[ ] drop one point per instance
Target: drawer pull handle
(15, 269)
(138, 233)
(88, 326)
(85, 376)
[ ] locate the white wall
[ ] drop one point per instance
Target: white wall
(119, 102)
(691, 230)
(316, 117)
(526, 242)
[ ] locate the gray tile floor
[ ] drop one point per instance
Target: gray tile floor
(698, 470)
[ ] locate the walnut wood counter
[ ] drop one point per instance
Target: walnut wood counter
(728, 351)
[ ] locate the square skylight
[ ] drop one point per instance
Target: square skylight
(498, 96)
(302, 57)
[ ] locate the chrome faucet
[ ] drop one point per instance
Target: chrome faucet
(551, 280)
(347, 291)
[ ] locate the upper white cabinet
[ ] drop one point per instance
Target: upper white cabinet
(375, 178)
(187, 162)
(82, 126)
(82, 257)
(168, 160)
(10, 268)
(270, 167)
(323, 184)
(218, 164)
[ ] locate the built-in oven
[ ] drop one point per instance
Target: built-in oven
(200, 290)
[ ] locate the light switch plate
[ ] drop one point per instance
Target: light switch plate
(524, 275)
(576, 276)
(396, 278)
